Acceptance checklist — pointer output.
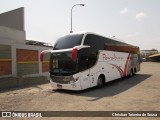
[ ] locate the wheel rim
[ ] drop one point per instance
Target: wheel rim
(99, 82)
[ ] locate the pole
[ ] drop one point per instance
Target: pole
(71, 14)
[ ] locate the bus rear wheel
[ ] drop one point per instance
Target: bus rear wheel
(131, 73)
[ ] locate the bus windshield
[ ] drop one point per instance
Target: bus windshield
(68, 41)
(62, 64)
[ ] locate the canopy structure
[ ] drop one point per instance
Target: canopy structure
(32, 42)
(155, 58)
(155, 55)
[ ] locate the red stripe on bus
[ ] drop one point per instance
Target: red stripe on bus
(125, 68)
(119, 69)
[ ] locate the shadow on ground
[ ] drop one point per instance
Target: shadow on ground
(110, 89)
(35, 85)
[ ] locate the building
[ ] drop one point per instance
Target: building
(155, 58)
(19, 57)
(146, 53)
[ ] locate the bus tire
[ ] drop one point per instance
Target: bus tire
(131, 73)
(100, 81)
(135, 71)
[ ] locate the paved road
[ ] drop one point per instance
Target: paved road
(139, 93)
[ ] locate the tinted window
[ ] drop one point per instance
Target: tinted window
(86, 60)
(100, 43)
(95, 42)
(68, 41)
(61, 64)
(83, 55)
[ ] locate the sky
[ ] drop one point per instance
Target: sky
(136, 22)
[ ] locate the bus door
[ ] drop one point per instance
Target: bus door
(87, 64)
(94, 68)
(93, 76)
(89, 78)
(85, 79)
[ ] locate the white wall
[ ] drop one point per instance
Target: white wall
(16, 36)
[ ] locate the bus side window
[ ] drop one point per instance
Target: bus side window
(92, 59)
(83, 63)
(96, 43)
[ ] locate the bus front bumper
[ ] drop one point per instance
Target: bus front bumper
(72, 86)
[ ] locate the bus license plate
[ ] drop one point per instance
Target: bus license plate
(59, 86)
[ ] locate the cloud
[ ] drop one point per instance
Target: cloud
(124, 11)
(140, 16)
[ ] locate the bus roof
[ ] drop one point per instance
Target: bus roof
(112, 38)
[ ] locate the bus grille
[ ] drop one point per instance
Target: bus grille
(62, 80)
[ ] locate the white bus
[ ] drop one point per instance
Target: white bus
(83, 60)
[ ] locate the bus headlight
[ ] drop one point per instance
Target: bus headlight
(73, 84)
(75, 79)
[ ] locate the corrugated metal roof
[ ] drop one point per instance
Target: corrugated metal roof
(32, 42)
(155, 55)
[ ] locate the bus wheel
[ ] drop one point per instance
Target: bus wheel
(100, 82)
(131, 73)
(135, 71)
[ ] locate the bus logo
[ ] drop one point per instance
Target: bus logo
(105, 57)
